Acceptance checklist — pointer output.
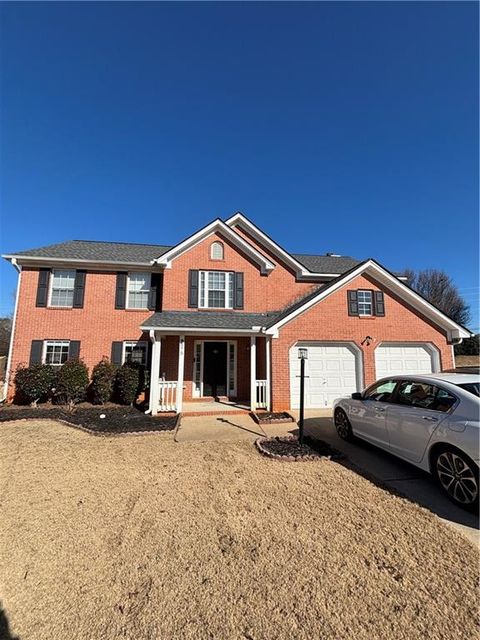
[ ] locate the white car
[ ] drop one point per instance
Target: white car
(431, 421)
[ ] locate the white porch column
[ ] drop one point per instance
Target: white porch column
(154, 374)
(268, 370)
(181, 367)
(253, 373)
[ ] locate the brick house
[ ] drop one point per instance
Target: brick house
(222, 314)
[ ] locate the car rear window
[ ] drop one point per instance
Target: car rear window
(471, 387)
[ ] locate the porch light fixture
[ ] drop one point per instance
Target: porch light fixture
(303, 353)
(367, 340)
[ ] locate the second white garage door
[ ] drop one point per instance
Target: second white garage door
(397, 358)
(333, 370)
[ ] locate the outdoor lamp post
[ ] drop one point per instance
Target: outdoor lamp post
(302, 356)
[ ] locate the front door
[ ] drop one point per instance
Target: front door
(215, 369)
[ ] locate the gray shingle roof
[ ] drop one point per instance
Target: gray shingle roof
(326, 264)
(98, 251)
(233, 320)
(125, 252)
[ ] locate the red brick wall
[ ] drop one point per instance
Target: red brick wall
(261, 292)
(329, 320)
(97, 325)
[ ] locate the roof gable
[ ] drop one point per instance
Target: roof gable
(390, 282)
(217, 226)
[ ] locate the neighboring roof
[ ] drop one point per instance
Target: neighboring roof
(326, 264)
(232, 320)
(97, 251)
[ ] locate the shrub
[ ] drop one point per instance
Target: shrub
(103, 379)
(127, 383)
(72, 382)
(35, 382)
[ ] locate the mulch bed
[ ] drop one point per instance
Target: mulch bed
(270, 417)
(116, 420)
(288, 449)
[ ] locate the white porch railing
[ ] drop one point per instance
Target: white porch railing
(167, 397)
(261, 399)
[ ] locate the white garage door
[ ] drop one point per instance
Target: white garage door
(395, 359)
(332, 370)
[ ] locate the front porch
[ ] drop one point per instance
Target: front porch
(202, 374)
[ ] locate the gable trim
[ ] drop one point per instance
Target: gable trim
(217, 225)
(391, 282)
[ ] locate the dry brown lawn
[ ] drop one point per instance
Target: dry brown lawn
(142, 538)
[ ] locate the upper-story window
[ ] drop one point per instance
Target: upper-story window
(365, 303)
(138, 290)
(216, 289)
(216, 251)
(62, 288)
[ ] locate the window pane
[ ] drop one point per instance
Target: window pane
(230, 290)
(217, 251)
(417, 394)
(364, 303)
(63, 283)
(381, 392)
(216, 299)
(444, 401)
(136, 352)
(138, 290)
(56, 353)
(202, 288)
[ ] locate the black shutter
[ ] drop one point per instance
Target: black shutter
(155, 296)
(117, 352)
(238, 294)
(121, 291)
(379, 306)
(36, 352)
(74, 350)
(193, 288)
(42, 287)
(352, 303)
(79, 290)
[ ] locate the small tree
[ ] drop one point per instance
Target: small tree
(127, 383)
(72, 382)
(103, 379)
(34, 383)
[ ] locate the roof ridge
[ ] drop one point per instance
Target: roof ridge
(140, 244)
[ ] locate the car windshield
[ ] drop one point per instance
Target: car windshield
(471, 387)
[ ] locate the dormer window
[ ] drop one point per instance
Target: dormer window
(216, 251)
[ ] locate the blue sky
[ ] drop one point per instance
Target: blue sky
(343, 127)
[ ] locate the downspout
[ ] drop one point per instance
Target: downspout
(14, 321)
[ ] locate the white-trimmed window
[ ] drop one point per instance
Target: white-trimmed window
(55, 352)
(62, 285)
(216, 289)
(365, 303)
(138, 290)
(135, 351)
(216, 251)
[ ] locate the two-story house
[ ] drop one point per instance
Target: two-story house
(223, 314)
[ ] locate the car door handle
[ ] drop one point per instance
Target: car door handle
(380, 409)
(430, 418)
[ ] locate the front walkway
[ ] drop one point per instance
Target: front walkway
(227, 428)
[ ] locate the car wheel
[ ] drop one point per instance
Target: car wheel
(458, 477)
(342, 425)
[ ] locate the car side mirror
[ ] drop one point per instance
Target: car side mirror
(357, 396)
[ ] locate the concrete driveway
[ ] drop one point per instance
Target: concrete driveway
(378, 465)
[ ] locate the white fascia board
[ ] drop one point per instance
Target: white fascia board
(104, 265)
(394, 284)
(240, 220)
(165, 260)
(200, 331)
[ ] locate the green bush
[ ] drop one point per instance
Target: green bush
(72, 382)
(34, 383)
(103, 380)
(127, 383)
